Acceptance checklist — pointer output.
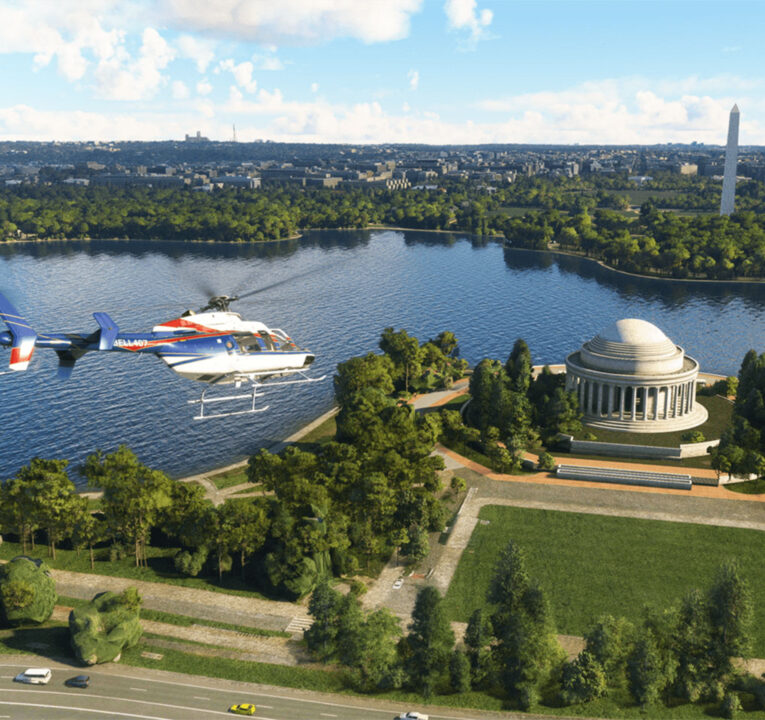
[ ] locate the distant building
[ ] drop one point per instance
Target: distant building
(197, 138)
(728, 199)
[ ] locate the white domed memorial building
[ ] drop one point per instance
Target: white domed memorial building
(632, 377)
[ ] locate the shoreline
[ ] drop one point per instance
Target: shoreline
(641, 276)
(369, 228)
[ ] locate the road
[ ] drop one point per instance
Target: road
(126, 692)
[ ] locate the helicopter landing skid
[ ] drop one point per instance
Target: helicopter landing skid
(227, 398)
(256, 385)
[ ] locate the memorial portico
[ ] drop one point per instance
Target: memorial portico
(632, 377)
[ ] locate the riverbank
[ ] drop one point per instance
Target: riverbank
(642, 276)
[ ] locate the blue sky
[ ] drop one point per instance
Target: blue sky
(440, 71)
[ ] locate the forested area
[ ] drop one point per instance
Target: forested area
(510, 411)
(660, 243)
(742, 447)
(335, 509)
(510, 649)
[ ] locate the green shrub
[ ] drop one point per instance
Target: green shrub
(693, 436)
(27, 591)
(105, 626)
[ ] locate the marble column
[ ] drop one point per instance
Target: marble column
(622, 399)
(610, 400)
(599, 408)
(633, 415)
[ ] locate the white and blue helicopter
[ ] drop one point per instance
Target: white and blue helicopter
(212, 345)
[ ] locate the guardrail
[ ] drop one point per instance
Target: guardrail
(625, 477)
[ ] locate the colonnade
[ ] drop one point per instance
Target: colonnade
(631, 401)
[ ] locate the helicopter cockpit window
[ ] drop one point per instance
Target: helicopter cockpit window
(248, 344)
(268, 340)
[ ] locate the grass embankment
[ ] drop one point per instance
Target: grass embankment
(52, 640)
(229, 478)
(590, 565)
(185, 620)
(321, 434)
(160, 568)
(720, 412)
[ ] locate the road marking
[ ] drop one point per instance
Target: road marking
(255, 692)
(139, 689)
(327, 715)
(110, 697)
(199, 697)
(267, 707)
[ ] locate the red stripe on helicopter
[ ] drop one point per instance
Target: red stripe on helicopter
(182, 322)
(17, 357)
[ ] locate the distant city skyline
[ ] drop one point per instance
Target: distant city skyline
(423, 71)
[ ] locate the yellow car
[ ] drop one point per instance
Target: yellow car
(242, 709)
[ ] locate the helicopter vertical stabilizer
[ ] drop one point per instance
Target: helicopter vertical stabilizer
(23, 337)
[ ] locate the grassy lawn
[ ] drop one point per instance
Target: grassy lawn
(752, 487)
(592, 564)
(160, 568)
(720, 411)
(322, 434)
(227, 479)
(704, 461)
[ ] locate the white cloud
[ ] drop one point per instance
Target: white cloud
(414, 79)
(242, 73)
(622, 111)
(267, 62)
(464, 15)
(202, 52)
(64, 31)
(314, 87)
(296, 21)
(121, 77)
(204, 87)
(179, 90)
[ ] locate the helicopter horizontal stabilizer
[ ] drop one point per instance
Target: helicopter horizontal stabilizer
(66, 361)
(109, 331)
(22, 336)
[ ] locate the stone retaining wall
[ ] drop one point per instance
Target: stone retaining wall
(593, 447)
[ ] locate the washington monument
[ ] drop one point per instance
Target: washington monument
(731, 156)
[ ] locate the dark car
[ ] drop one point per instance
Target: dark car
(78, 681)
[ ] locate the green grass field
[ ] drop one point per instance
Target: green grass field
(594, 564)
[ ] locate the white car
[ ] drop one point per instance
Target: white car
(34, 676)
(398, 583)
(412, 716)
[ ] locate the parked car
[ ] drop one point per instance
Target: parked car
(242, 709)
(412, 715)
(398, 583)
(78, 681)
(34, 676)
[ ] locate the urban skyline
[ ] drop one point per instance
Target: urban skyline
(454, 71)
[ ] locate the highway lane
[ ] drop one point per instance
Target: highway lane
(125, 692)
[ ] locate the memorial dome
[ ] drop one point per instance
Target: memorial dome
(633, 346)
(632, 377)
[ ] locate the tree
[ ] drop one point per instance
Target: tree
(731, 613)
(245, 525)
(583, 679)
(527, 648)
(518, 367)
(478, 636)
(645, 672)
(134, 496)
(324, 607)
(404, 350)
(359, 373)
(87, 530)
(609, 641)
(376, 663)
(429, 643)
(459, 672)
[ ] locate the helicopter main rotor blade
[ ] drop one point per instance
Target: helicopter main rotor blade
(273, 285)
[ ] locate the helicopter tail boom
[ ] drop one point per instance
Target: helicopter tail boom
(22, 336)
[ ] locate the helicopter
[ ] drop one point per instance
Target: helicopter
(212, 345)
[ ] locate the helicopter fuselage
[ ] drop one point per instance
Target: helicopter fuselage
(214, 347)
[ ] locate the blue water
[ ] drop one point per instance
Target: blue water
(361, 282)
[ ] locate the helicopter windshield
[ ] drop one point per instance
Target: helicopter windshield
(248, 343)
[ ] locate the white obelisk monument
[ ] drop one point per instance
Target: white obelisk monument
(731, 157)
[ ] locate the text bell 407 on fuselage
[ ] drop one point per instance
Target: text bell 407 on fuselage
(212, 346)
